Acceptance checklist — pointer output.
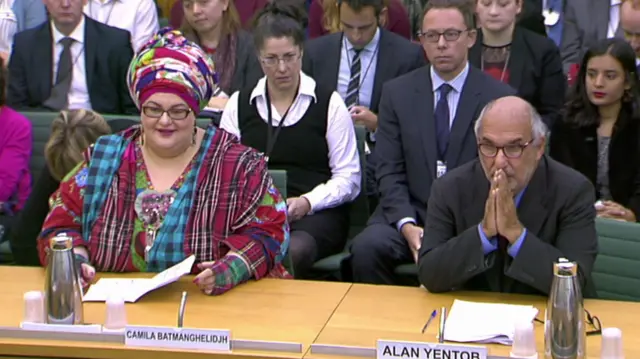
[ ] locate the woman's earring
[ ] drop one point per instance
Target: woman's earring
(195, 133)
(141, 137)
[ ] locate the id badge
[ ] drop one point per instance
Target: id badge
(441, 169)
(550, 17)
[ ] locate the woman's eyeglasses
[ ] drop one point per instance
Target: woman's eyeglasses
(174, 113)
(287, 59)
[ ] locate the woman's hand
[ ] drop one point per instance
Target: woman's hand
(613, 210)
(206, 279)
(87, 274)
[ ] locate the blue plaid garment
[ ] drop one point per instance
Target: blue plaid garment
(106, 159)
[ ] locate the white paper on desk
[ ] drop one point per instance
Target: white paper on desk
(133, 289)
(485, 322)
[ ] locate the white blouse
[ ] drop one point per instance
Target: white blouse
(8, 25)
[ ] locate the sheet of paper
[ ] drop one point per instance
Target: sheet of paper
(133, 289)
(485, 322)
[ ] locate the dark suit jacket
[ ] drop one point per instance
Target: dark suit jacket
(585, 23)
(577, 147)
(396, 56)
(107, 53)
(556, 209)
(248, 70)
(535, 70)
(406, 140)
(531, 17)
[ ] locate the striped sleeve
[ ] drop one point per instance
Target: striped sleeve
(254, 247)
(65, 211)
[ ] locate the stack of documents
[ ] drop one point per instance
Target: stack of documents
(485, 322)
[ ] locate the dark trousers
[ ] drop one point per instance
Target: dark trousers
(317, 236)
(376, 252)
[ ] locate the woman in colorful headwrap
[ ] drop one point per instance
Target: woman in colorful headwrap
(147, 198)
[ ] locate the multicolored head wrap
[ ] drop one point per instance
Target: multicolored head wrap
(169, 63)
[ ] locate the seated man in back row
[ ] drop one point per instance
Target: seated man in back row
(499, 223)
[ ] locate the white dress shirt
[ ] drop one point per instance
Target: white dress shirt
(139, 17)
(344, 185)
(8, 25)
(614, 18)
(453, 98)
(78, 97)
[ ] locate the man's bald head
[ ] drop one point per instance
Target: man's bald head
(630, 24)
(511, 138)
(511, 113)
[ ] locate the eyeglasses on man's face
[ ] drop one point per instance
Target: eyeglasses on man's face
(510, 151)
(287, 59)
(433, 36)
(174, 113)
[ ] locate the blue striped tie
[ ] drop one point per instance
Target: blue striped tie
(354, 82)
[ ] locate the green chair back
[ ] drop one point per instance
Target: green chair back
(358, 216)
(616, 273)
(280, 181)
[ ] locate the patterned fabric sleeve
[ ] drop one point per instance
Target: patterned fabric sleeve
(65, 213)
(255, 246)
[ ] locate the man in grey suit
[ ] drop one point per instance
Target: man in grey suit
(425, 128)
(499, 222)
(585, 22)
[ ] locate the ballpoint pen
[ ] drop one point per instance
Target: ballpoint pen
(433, 315)
(183, 305)
(443, 319)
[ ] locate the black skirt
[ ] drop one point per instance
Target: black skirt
(329, 228)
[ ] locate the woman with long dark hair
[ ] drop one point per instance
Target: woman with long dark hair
(600, 133)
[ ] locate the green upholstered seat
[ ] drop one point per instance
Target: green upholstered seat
(616, 273)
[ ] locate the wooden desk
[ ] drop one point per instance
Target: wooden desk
(368, 313)
(269, 309)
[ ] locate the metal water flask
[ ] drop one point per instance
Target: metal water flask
(564, 331)
(63, 293)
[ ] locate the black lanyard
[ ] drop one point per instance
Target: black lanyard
(272, 133)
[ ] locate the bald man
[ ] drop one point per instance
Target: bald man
(499, 223)
(630, 24)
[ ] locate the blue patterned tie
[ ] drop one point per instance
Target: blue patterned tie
(354, 81)
(442, 120)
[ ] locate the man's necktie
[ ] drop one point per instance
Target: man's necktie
(442, 120)
(60, 91)
(354, 82)
(638, 69)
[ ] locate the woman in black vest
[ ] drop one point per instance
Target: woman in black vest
(600, 133)
(302, 129)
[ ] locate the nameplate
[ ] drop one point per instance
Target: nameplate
(387, 349)
(64, 328)
(180, 338)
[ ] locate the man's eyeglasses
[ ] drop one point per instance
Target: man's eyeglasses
(510, 151)
(287, 59)
(592, 321)
(174, 113)
(433, 36)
